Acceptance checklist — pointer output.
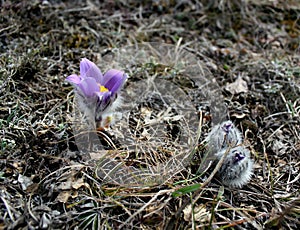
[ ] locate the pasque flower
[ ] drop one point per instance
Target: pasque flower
(222, 136)
(97, 91)
(237, 168)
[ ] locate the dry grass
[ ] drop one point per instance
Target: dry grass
(45, 182)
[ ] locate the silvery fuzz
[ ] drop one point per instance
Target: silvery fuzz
(237, 167)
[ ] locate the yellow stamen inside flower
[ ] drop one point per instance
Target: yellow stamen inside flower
(103, 89)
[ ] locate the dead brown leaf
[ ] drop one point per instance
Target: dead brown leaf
(238, 86)
(63, 196)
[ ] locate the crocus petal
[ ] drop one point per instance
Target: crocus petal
(85, 65)
(106, 98)
(74, 79)
(103, 100)
(88, 87)
(89, 69)
(114, 80)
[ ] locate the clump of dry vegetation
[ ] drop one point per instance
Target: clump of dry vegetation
(250, 47)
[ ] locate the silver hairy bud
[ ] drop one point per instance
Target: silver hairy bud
(237, 167)
(223, 136)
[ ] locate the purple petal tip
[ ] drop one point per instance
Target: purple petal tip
(238, 157)
(74, 79)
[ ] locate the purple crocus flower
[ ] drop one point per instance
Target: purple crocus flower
(97, 89)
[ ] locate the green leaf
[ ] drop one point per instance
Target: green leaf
(185, 190)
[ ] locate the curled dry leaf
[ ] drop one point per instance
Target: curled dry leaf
(72, 183)
(69, 188)
(200, 213)
(238, 86)
(63, 196)
(78, 183)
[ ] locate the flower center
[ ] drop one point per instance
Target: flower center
(103, 89)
